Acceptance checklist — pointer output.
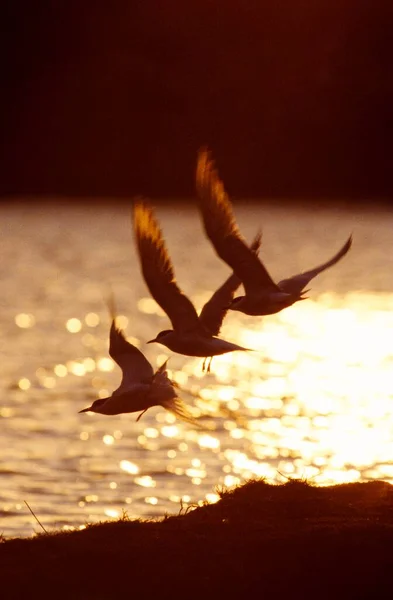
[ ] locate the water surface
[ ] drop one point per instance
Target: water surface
(314, 400)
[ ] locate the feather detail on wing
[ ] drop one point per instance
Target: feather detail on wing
(177, 407)
(158, 271)
(221, 228)
(135, 367)
(215, 309)
(297, 283)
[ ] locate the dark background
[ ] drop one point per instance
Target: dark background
(294, 97)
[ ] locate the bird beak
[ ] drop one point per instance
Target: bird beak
(85, 410)
(151, 341)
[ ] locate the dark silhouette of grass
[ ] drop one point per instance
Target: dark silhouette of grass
(263, 541)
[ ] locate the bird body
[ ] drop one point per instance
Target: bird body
(140, 387)
(133, 400)
(262, 295)
(191, 335)
(263, 303)
(195, 344)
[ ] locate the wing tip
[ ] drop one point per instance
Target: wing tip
(146, 226)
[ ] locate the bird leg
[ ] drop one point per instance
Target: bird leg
(207, 361)
(142, 413)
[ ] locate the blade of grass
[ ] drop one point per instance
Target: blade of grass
(35, 516)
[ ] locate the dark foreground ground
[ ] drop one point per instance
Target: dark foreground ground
(259, 541)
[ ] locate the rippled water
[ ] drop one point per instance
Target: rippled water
(314, 400)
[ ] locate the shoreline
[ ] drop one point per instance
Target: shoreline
(292, 540)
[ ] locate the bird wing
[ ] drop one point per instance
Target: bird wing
(221, 228)
(178, 408)
(215, 309)
(158, 271)
(297, 283)
(135, 367)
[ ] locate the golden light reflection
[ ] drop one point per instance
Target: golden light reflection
(212, 498)
(108, 439)
(145, 481)
(24, 383)
(208, 441)
(25, 320)
(105, 364)
(129, 467)
(48, 382)
(315, 402)
(76, 368)
(91, 498)
(170, 430)
(122, 321)
(113, 513)
(60, 370)
(151, 432)
(92, 319)
(6, 412)
(89, 364)
(149, 307)
(73, 325)
(231, 480)
(133, 340)
(180, 377)
(151, 500)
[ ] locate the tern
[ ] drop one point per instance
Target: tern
(191, 335)
(262, 295)
(140, 387)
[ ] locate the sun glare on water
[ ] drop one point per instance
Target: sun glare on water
(313, 400)
(316, 398)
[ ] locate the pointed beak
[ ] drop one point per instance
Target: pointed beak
(151, 341)
(85, 410)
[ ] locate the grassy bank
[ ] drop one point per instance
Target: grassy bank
(263, 541)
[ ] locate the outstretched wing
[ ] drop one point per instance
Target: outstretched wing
(297, 283)
(158, 271)
(135, 367)
(215, 309)
(221, 228)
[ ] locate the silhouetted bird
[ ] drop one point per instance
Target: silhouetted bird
(191, 335)
(262, 295)
(140, 387)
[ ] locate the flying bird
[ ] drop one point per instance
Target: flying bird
(191, 335)
(262, 295)
(140, 387)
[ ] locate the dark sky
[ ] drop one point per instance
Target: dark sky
(114, 98)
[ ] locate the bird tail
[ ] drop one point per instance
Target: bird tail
(177, 407)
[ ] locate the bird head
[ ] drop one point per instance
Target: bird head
(161, 337)
(236, 303)
(95, 407)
